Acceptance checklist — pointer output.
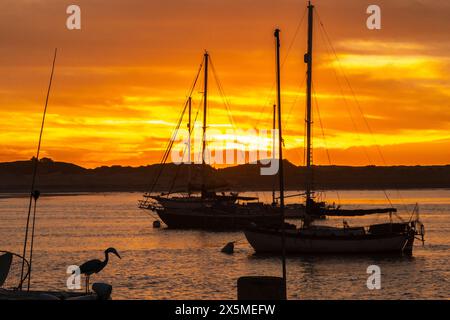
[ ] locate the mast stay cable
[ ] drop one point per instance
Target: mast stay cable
(323, 135)
(174, 133)
(377, 146)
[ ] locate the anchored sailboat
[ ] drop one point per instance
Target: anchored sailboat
(207, 209)
(309, 238)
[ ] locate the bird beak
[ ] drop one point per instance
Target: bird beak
(117, 254)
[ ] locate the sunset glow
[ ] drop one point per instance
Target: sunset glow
(122, 80)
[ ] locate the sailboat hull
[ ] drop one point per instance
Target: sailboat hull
(213, 220)
(269, 241)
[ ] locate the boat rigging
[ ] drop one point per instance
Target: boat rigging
(208, 209)
(309, 238)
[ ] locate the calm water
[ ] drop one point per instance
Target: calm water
(167, 264)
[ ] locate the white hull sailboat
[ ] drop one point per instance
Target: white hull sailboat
(309, 238)
(330, 240)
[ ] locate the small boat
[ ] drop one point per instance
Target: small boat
(309, 238)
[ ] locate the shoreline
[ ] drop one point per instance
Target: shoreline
(12, 195)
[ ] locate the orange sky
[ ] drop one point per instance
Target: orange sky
(121, 81)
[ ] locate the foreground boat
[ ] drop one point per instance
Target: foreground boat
(52, 295)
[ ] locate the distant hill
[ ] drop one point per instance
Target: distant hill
(54, 176)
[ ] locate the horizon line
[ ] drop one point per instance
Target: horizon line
(218, 167)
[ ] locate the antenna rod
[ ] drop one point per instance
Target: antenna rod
(274, 149)
(189, 146)
(36, 194)
(308, 59)
(280, 169)
(33, 181)
(205, 105)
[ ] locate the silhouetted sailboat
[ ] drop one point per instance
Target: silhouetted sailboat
(309, 238)
(207, 209)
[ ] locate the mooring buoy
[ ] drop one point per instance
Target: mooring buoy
(229, 248)
(156, 224)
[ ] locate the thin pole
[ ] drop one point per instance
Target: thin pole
(205, 105)
(280, 169)
(274, 149)
(35, 197)
(308, 60)
(189, 146)
(35, 164)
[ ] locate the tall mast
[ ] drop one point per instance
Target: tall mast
(189, 146)
(308, 60)
(280, 151)
(205, 104)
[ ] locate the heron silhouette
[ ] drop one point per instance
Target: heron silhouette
(96, 265)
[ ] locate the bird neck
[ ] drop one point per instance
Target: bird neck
(106, 257)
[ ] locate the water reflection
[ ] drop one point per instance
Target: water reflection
(172, 264)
